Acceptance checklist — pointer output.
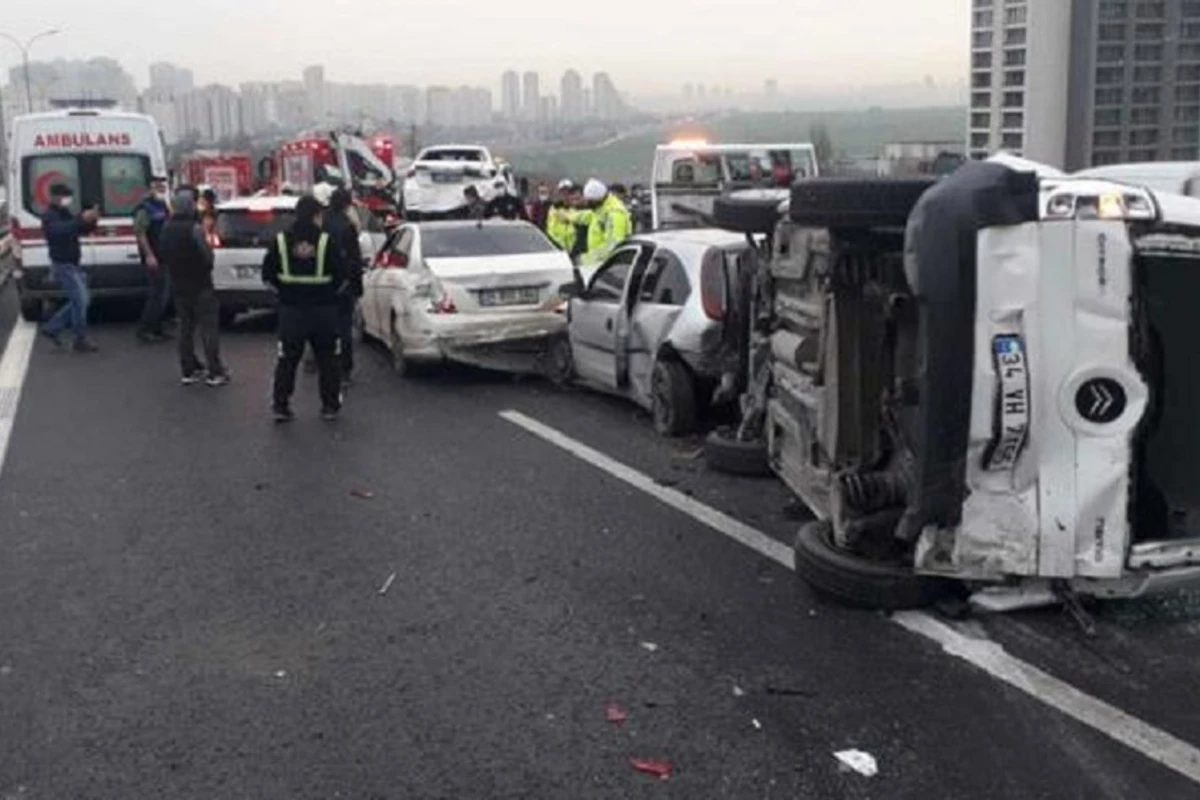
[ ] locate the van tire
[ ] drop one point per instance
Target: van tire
(724, 452)
(856, 202)
(673, 396)
(749, 210)
(32, 309)
(860, 582)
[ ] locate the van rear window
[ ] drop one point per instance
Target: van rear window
(251, 228)
(113, 183)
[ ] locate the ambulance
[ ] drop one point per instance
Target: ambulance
(106, 157)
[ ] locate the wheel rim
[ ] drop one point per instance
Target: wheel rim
(561, 361)
(661, 395)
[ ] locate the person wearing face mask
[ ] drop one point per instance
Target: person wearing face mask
(149, 218)
(342, 230)
(539, 209)
(305, 268)
(559, 227)
(609, 223)
(62, 229)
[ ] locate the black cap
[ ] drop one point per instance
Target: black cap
(61, 190)
(156, 179)
(340, 200)
(308, 207)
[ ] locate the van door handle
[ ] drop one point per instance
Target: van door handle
(134, 257)
(608, 324)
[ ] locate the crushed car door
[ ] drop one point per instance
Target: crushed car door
(594, 317)
(655, 302)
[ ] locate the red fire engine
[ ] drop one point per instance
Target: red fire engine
(363, 164)
(228, 174)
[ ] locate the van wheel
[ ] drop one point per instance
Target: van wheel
(674, 398)
(857, 581)
(855, 202)
(724, 452)
(31, 309)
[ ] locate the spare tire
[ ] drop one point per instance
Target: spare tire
(857, 581)
(724, 452)
(856, 202)
(749, 210)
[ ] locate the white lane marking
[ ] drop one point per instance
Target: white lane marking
(992, 658)
(754, 539)
(985, 655)
(13, 367)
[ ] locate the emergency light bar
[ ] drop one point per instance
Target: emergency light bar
(1110, 202)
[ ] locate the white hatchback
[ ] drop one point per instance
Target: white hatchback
(245, 228)
(434, 183)
(482, 293)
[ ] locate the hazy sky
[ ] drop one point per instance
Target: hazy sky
(649, 46)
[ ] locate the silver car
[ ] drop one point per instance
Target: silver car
(662, 322)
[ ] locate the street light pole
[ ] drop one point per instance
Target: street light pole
(24, 48)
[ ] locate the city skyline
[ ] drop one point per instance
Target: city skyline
(809, 46)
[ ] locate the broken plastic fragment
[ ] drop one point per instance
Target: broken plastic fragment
(281, 674)
(615, 714)
(739, 691)
(650, 647)
(659, 769)
(862, 763)
(362, 494)
(387, 584)
(757, 725)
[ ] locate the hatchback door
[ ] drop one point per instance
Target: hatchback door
(599, 319)
(242, 238)
(657, 300)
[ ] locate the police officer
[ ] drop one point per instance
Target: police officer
(307, 270)
(339, 225)
(149, 218)
(609, 222)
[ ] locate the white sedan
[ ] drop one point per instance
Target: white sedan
(434, 183)
(482, 293)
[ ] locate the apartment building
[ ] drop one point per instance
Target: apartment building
(1078, 83)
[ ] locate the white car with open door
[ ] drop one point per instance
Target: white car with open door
(662, 322)
(434, 183)
(484, 293)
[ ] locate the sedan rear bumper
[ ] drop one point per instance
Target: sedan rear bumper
(510, 341)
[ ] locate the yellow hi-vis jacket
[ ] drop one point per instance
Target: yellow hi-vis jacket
(610, 225)
(560, 228)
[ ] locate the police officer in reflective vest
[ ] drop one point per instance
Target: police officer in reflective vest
(307, 271)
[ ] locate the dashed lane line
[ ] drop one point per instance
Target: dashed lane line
(14, 366)
(986, 655)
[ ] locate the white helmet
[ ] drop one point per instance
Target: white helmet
(566, 184)
(594, 191)
(323, 192)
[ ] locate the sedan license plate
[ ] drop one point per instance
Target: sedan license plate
(446, 177)
(245, 273)
(524, 296)
(1012, 411)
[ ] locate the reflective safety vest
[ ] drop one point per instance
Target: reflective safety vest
(610, 224)
(319, 278)
(560, 227)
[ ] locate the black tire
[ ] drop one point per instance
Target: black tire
(558, 362)
(750, 210)
(724, 453)
(859, 582)
(32, 309)
(674, 396)
(856, 202)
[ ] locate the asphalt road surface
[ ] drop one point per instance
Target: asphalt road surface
(427, 600)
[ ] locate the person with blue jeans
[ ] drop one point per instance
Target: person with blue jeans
(62, 229)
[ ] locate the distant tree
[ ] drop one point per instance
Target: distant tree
(818, 134)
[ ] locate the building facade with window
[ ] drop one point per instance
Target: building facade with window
(1078, 83)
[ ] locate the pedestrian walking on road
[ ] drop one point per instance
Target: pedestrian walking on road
(62, 229)
(342, 229)
(188, 258)
(305, 268)
(149, 217)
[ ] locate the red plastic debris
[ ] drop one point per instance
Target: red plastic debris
(659, 769)
(362, 494)
(615, 714)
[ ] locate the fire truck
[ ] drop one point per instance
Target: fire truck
(228, 174)
(362, 164)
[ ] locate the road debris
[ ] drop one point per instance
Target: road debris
(387, 584)
(615, 714)
(5, 671)
(362, 494)
(757, 725)
(862, 763)
(281, 674)
(650, 647)
(739, 691)
(786, 691)
(647, 766)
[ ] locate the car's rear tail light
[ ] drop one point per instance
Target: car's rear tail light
(390, 259)
(443, 305)
(712, 285)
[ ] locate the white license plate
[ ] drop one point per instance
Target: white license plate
(1012, 411)
(246, 273)
(446, 177)
(489, 298)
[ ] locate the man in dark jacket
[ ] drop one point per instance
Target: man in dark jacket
(344, 234)
(505, 205)
(149, 217)
(62, 230)
(306, 270)
(185, 253)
